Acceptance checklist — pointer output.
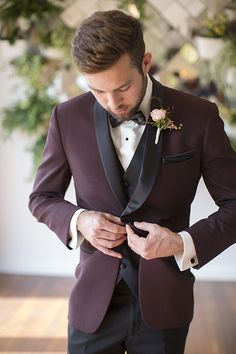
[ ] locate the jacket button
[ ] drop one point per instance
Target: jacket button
(126, 184)
(122, 266)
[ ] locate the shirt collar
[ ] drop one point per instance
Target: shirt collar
(146, 102)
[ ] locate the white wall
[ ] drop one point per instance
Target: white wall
(222, 267)
(27, 247)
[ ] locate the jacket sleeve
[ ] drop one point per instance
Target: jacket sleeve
(47, 201)
(217, 232)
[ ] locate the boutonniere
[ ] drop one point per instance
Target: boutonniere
(162, 120)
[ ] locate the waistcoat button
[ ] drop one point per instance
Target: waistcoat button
(126, 184)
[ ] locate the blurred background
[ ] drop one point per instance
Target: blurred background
(193, 43)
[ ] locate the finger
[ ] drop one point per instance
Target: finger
(104, 242)
(109, 236)
(131, 237)
(146, 226)
(135, 248)
(139, 246)
(135, 242)
(114, 219)
(129, 230)
(112, 227)
(109, 252)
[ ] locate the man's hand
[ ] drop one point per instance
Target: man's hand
(161, 242)
(104, 231)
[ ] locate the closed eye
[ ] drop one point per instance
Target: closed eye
(125, 88)
(97, 92)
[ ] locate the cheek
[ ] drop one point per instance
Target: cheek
(130, 95)
(134, 95)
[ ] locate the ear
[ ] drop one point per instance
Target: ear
(147, 62)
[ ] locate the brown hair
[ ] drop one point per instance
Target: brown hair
(104, 37)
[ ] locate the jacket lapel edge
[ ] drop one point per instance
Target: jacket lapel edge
(108, 155)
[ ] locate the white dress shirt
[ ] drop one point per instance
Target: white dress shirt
(126, 138)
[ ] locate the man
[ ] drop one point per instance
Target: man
(134, 289)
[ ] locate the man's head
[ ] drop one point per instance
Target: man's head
(104, 37)
(109, 50)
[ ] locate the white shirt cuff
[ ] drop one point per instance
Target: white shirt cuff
(188, 257)
(76, 237)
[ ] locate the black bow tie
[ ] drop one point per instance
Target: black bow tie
(138, 118)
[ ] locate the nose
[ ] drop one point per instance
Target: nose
(114, 100)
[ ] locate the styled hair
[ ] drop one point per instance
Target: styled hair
(104, 37)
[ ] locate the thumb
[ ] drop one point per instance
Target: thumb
(146, 226)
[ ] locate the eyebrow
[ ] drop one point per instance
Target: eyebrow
(118, 88)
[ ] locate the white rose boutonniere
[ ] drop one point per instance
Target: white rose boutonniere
(161, 120)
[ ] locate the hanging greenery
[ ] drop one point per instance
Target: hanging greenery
(31, 114)
(18, 19)
(39, 23)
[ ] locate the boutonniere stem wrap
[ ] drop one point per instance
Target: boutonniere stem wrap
(161, 120)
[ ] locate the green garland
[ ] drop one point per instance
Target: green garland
(39, 23)
(18, 19)
(31, 115)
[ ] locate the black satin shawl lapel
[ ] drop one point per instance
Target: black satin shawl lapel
(108, 155)
(151, 157)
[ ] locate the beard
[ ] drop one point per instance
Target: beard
(133, 110)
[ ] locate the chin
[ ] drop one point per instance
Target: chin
(126, 116)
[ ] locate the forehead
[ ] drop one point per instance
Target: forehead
(119, 74)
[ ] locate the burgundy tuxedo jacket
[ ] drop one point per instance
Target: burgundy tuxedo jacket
(79, 146)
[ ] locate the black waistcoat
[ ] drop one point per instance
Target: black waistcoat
(130, 261)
